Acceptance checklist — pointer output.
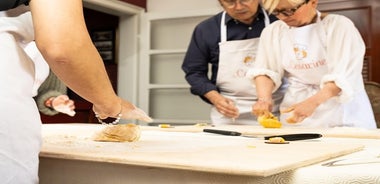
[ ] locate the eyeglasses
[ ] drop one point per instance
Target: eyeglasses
(232, 3)
(288, 12)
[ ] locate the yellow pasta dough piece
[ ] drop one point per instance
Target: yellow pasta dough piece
(164, 126)
(269, 121)
(277, 139)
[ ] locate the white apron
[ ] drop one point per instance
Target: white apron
(305, 60)
(20, 124)
(235, 58)
(41, 68)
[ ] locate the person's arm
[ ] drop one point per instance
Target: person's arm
(62, 37)
(196, 63)
(267, 73)
(264, 87)
(200, 54)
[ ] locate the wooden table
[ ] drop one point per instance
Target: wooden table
(184, 155)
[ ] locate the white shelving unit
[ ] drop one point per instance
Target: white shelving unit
(164, 92)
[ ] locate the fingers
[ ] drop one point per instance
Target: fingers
(138, 114)
(291, 119)
(261, 108)
(295, 119)
(261, 112)
(287, 110)
(229, 113)
(130, 111)
(66, 109)
(294, 116)
(63, 100)
(124, 110)
(63, 104)
(228, 109)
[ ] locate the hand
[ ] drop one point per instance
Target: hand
(224, 106)
(63, 104)
(127, 111)
(300, 111)
(262, 108)
(132, 112)
(227, 107)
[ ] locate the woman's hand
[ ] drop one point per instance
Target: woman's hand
(262, 107)
(123, 107)
(62, 104)
(132, 112)
(306, 108)
(300, 111)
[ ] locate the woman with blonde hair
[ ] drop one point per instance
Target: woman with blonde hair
(321, 55)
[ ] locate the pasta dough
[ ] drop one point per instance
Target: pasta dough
(119, 133)
(269, 121)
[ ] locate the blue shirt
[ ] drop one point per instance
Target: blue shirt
(204, 49)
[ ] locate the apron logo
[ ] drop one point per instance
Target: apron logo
(247, 62)
(241, 73)
(303, 63)
(300, 51)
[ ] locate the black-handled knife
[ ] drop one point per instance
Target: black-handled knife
(222, 132)
(296, 137)
(287, 137)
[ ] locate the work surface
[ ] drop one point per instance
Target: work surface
(187, 148)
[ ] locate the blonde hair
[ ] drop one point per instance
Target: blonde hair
(270, 5)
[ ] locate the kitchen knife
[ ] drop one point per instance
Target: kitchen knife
(287, 137)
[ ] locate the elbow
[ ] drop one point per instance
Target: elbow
(54, 53)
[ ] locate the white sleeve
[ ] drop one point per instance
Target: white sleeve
(345, 53)
(268, 60)
(20, 26)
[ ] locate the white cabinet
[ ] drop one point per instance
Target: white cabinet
(164, 92)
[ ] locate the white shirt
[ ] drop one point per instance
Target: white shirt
(344, 50)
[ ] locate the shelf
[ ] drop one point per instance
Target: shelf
(168, 51)
(169, 86)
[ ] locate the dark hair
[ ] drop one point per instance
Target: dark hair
(10, 4)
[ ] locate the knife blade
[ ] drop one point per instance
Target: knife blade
(287, 137)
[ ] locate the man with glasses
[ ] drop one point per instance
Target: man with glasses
(322, 57)
(228, 42)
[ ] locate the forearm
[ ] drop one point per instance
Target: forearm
(86, 76)
(264, 87)
(329, 90)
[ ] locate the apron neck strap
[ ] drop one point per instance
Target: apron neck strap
(318, 16)
(223, 26)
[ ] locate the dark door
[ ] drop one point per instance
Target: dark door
(366, 16)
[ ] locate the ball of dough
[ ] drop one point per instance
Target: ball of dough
(119, 133)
